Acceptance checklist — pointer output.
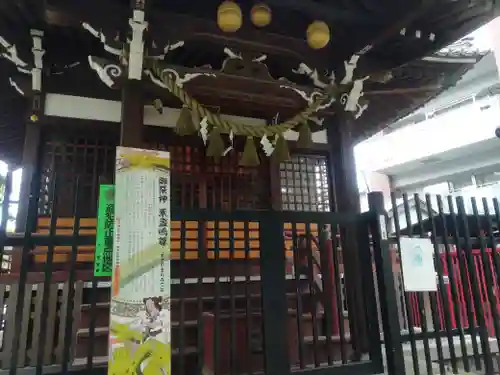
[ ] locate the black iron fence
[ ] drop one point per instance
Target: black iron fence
(264, 291)
(456, 328)
(251, 292)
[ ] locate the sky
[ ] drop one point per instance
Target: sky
(16, 186)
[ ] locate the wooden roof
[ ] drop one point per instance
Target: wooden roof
(399, 35)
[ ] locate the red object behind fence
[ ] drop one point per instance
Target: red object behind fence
(462, 294)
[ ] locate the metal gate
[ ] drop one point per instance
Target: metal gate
(456, 329)
(306, 325)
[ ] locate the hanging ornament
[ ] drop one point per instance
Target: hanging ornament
(195, 118)
(260, 15)
(281, 152)
(305, 136)
(229, 17)
(318, 35)
(249, 158)
(185, 125)
(215, 147)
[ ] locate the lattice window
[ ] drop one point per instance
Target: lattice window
(199, 182)
(229, 186)
(304, 184)
(92, 157)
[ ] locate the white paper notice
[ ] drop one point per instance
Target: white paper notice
(417, 261)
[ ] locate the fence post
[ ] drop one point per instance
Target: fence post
(274, 305)
(386, 285)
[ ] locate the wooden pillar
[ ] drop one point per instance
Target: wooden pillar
(132, 114)
(132, 91)
(30, 166)
(346, 201)
(31, 149)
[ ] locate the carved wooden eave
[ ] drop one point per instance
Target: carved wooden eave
(436, 77)
(213, 87)
(391, 92)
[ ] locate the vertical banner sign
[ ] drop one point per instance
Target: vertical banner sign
(140, 301)
(103, 264)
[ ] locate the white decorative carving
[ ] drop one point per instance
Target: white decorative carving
(155, 80)
(230, 54)
(23, 70)
(308, 98)
(312, 74)
(260, 59)
(16, 86)
(204, 130)
(361, 109)
(136, 54)
(350, 66)
(38, 52)
(326, 105)
(354, 95)
(231, 144)
(187, 76)
(11, 53)
(107, 72)
(168, 48)
(365, 49)
(99, 35)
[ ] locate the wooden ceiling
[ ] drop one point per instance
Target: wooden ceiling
(399, 32)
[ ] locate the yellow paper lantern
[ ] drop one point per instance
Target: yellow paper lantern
(260, 15)
(229, 17)
(318, 34)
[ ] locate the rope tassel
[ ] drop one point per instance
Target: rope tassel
(305, 136)
(281, 152)
(216, 146)
(185, 125)
(249, 158)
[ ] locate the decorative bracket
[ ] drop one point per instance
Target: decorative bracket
(350, 66)
(38, 52)
(108, 71)
(11, 53)
(136, 53)
(314, 76)
(110, 46)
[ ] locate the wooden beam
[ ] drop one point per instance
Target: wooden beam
(168, 27)
(398, 22)
(405, 91)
